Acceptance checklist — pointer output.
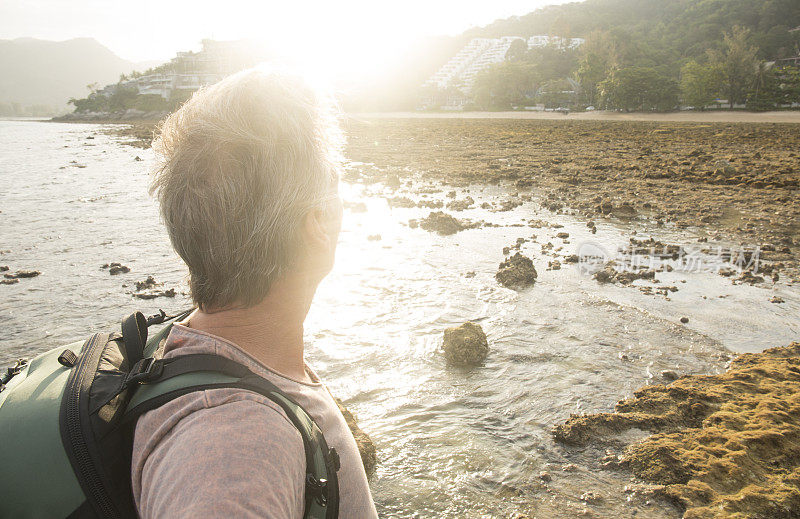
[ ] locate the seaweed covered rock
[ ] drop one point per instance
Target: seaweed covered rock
(150, 289)
(366, 448)
(723, 445)
(610, 274)
(441, 223)
(465, 344)
(516, 272)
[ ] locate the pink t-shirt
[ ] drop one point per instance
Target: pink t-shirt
(234, 453)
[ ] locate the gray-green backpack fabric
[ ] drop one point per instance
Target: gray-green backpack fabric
(67, 419)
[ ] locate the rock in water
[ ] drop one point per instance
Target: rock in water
(116, 268)
(366, 448)
(516, 272)
(465, 344)
(442, 223)
(22, 274)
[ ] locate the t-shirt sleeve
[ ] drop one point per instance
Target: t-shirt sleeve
(238, 458)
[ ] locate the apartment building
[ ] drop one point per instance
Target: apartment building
(461, 70)
(188, 71)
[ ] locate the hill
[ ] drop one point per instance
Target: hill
(647, 55)
(670, 29)
(660, 34)
(38, 77)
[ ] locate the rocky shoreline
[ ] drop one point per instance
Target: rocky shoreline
(723, 445)
(737, 182)
(124, 116)
(137, 126)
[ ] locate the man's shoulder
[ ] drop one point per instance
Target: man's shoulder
(218, 436)
(215, 409)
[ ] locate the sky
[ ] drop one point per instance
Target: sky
(337, 34)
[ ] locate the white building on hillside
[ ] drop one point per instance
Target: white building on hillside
(188, 71)
(480, 53)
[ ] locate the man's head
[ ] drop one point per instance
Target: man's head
(247, 180)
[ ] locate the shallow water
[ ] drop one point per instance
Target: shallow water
(451, 442)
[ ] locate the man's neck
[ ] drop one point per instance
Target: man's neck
(271, 331)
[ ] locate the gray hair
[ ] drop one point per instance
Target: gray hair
(238, 167)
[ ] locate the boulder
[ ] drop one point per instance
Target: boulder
(431, 204)
(465, 344)
(366, 448)
(516, 272)
(150, 282)
(22, 274)
(150, 289)
(115, 268)
(610, 274)
(461, 205)
(441, 223)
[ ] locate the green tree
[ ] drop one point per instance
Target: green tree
(599, 56)
(788, 79)
(553, 62)
(122, 98)
(517, 50)
(773, 87)
(556, 93)
(738, 63)
(700, 84)
(504, 85)
(763, 94)
(639, 88)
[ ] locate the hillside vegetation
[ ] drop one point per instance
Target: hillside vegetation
(650, 54)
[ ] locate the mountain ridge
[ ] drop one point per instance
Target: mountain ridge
(40, 76)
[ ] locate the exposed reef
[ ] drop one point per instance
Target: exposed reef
(723, 445)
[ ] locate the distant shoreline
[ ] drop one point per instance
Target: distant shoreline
(716, 116)
(722, 116)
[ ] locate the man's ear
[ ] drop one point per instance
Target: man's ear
(314, 233)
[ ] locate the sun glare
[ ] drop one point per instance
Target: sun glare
(342, 43)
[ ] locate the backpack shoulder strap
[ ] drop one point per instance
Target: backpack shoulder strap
(163, 380)
(134, 335)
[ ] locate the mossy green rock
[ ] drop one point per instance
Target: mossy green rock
(465, 344)
(516, 272)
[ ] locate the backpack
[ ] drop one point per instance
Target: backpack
(67, 419)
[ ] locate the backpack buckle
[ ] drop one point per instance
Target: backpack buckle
(144, 371)
(13, 371)
(318, 488)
